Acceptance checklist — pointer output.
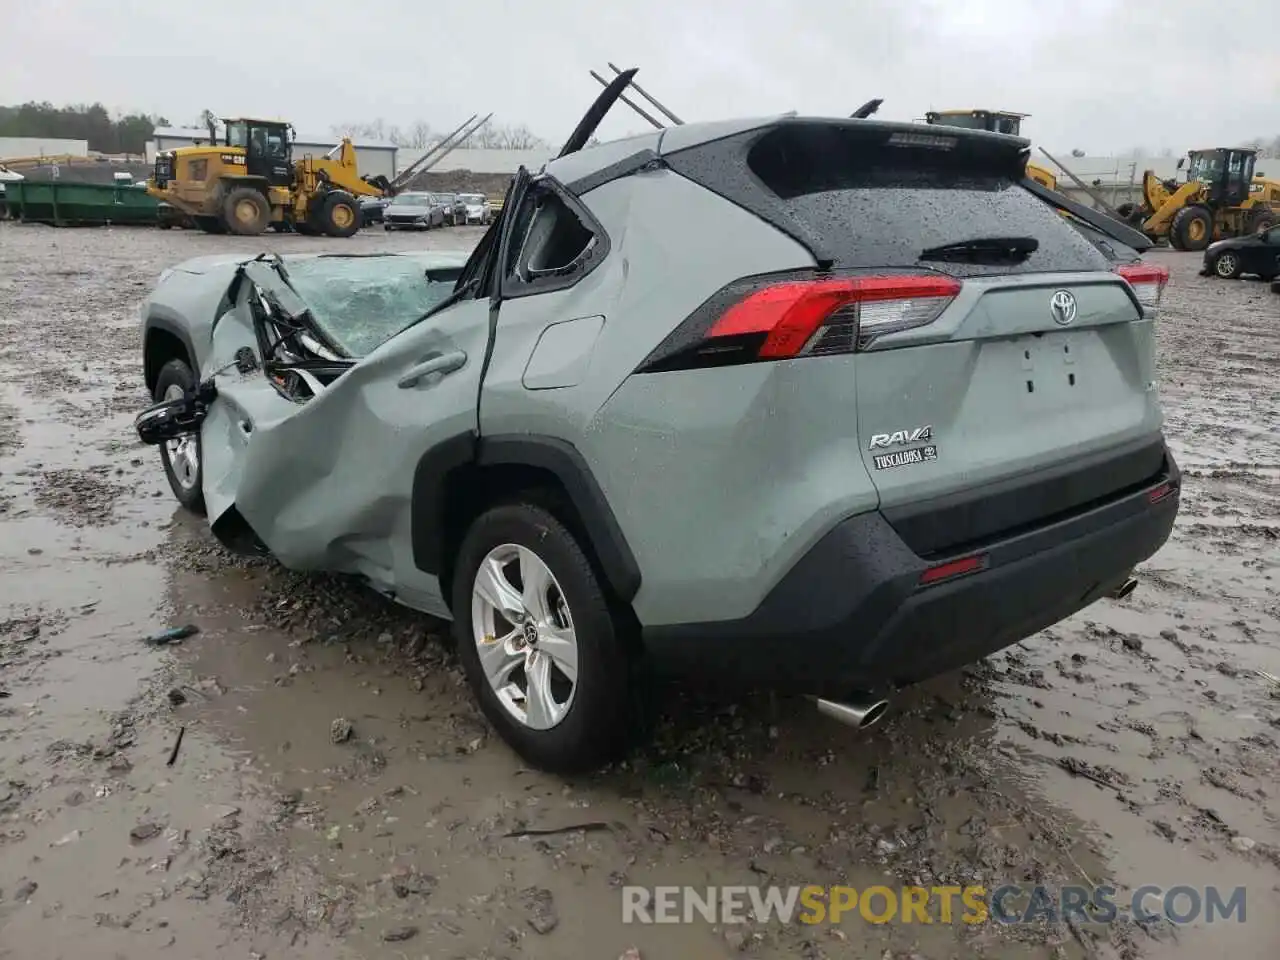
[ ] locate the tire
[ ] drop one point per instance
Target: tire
(183, 465)
(1261, 219)
(589, 721)
(246, 212)
(210, 225)
(339, 214)
(1193, 228)
(1226, 265)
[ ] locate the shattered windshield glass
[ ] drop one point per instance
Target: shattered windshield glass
(360, 302)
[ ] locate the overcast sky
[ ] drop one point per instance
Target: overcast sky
(1099, 75)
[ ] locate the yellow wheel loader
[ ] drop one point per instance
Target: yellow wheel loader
(251, 181)
(1221, 197)
(996, 121)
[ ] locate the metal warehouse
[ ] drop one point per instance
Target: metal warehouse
(373, 156)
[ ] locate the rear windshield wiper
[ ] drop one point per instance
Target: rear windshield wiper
(984, 250)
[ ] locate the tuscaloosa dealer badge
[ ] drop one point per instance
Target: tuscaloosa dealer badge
(902, 458)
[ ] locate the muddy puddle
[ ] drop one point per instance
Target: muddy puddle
(335, 793)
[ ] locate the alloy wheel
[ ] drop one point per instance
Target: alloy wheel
(524, 634)
(183, 452)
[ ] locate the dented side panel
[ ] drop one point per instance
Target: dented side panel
(326, 483)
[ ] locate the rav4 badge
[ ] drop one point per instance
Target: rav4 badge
(899, 437)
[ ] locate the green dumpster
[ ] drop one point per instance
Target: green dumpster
(79, 204)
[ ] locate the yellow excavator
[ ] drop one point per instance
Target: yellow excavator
(1221, 197)
(996, 121)
(250, 181)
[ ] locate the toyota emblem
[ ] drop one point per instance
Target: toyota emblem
(1063, 307)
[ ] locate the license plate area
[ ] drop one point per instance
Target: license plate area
(1048, 367)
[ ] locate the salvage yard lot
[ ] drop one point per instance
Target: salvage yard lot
(1135, 743)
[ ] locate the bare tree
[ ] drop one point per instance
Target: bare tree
(368, 130)
(495, 137)
(419, 136)
(1266, 147)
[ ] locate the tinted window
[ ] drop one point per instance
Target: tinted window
(865, 195)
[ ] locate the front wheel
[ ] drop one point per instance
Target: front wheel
(1226, 265)
(541, 646)
(181, 456)
(1193, 228)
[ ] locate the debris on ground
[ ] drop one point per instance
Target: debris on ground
(541, 909)
(144, 832)
(172, 635)
(340, 730)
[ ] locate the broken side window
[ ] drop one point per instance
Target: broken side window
(553, 241)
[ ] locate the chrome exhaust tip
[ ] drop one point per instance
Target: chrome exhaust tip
(857, 715)
(1126, 588)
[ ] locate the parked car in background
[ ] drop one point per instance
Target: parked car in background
(475, 208)
(1257, 254)
(608, 400)
(449, 203)
(413, 211)
(372, 209)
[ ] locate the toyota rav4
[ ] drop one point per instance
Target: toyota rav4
(877, 407)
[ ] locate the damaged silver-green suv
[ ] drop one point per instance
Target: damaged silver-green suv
(831, 405)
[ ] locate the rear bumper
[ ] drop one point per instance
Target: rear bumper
(852, 613)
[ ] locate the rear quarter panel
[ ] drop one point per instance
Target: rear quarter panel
(719, 479)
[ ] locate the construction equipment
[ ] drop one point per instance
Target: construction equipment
(996, 121)
(250, 180)
(1221, 197)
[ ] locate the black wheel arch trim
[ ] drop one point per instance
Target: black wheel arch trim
(165, 325)
(556, 456)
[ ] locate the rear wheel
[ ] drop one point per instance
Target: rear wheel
(1193, 228)
(246, 212)
(1227, 265)
(1261, 219)
(539, 641)
(339, 214)
(181, 456)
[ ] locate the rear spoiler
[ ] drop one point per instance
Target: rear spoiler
(1112, 227)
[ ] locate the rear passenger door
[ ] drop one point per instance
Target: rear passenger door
(552, 311)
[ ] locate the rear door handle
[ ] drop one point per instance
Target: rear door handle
(442, 363)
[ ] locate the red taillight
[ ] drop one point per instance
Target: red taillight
(1148, 282)
(953, 568)
(791, 314)
(1162, 492)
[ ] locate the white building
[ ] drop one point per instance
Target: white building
(373, 157)
(13, 148)
(485, 161)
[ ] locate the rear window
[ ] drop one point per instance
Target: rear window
(878, 196)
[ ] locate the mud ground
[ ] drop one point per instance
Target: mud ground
(1132, 744)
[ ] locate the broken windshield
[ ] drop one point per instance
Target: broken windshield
(360, 302)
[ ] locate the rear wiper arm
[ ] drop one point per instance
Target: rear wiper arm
(984, 250)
